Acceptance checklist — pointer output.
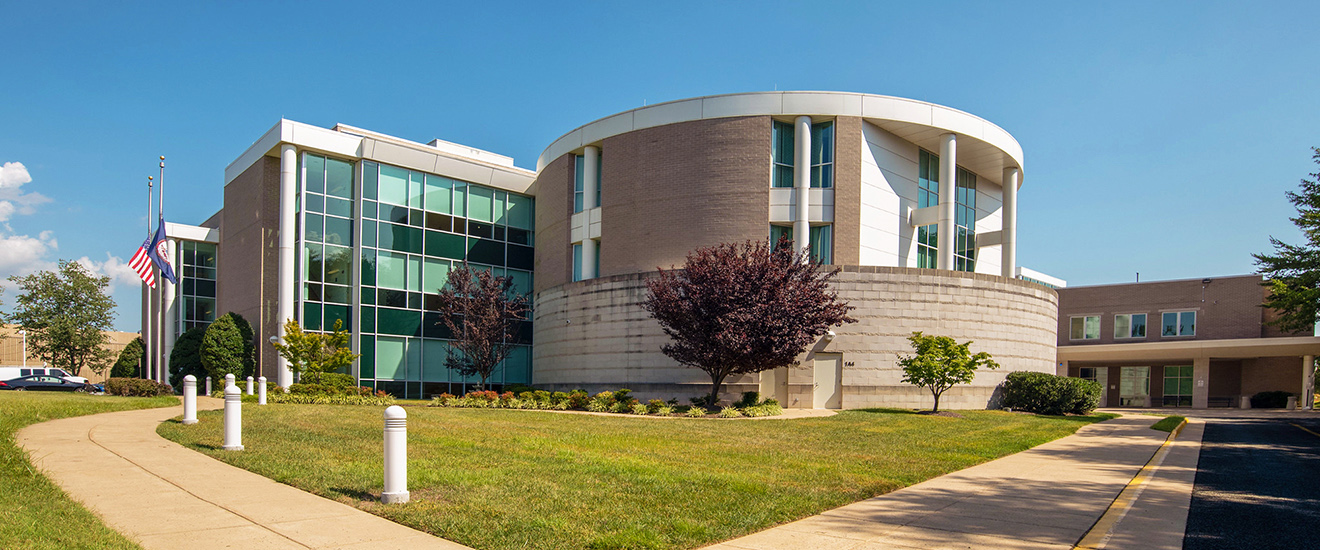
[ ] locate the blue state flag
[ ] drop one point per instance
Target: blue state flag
(160, 254)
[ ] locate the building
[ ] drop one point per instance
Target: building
(15, 353)
(1187, 343)
(915, 202)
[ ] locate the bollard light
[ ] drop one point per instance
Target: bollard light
(396, 456)
(261, 390)
(249, 386)
(233, 419)
(190, 399)
(208, 386)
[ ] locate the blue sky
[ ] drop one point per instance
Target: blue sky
(1159, 136)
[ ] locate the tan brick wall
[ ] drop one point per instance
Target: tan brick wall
(595, 332)
(248, 263)
(11, 351)
(554, 208)
(1271, 374)
(1227, 307)
(848, 147)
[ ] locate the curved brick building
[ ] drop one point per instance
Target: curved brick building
(914, 201)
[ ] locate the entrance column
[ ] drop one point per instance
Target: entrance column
(1201, 383)
(945, 239)
(287, 280)
(802, 183)
(1008, 236)
(1308, 382)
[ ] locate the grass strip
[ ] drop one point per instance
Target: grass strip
(1168, 423)
(37, 513)
(498, 479)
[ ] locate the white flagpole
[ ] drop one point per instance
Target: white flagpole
(148, 299)
(163, 366)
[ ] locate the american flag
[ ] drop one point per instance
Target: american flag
(141, 263)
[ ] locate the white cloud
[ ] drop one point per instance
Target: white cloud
(12, 198)
(24, 255)
(113, 267)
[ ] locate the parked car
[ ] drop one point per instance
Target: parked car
(9, 373)
(43, 382)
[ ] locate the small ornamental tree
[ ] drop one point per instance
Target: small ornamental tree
(482, 312)
(186, 357)
(66, 313)
(743, 308)
(227, 347)
(130, 360)
(315, 351)
(940, 363)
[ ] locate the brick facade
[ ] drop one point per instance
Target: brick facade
(249, 255)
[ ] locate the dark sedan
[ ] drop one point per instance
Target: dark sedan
(42, 383)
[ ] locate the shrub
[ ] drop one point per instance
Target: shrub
(519, 389)
(227, 347)
(696, 412)
(1270, 400)
(730, 412)
(578, 399)
(332, 379)
(654, 405)
(749, 398)
(768, 408)
(130, 357)
(136, 387)
(663, 410)
(1045, 393)
(640, 408)
(186, 357)
(377, 399)
(621, 407)
(704, 401)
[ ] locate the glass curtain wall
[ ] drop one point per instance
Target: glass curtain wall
(964, 252)
(415, 228)
(197, 285)
(928, 194)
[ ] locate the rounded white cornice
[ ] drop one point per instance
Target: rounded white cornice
(983, 147)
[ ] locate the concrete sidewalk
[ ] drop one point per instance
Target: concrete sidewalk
(165, 496)
(1046, 497)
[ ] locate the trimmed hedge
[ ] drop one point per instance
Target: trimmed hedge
(332, 379)
(136, 387)
(1045, 393)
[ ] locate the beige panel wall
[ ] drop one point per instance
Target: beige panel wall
(248, 264)
(595, 332)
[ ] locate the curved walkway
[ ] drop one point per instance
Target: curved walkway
(165, 496)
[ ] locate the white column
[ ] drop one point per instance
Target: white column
(287, 280)
(948, 184)
(590, 156)
(171, 315)
(1308, 382)
(1008, 236)
(802, 182)
(1200, 383)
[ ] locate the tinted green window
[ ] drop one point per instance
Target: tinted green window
(518, 366)
(415, 274)
(578, 173)
(398, 321)
(337, 313)
(338, 265)
(312, 262)
(439, 194)
(480, 203)
(445, 245)
(367, 363)
(315, 203)
(460, 199)
(367, 295)
(484, 251)
(436, 275)
(339, 231)
(781, 154)
(523, 257)
(433, 352)
(338, 178)
(822, 245)
(822, 155)
(391, 271)
(415, 189)
(312, 224)
(400, 237)
(311, 316)
(367, 318)
(368, 233)
(522, 281)
(339, 207)
(393, 185)
(390, 358)
(520, 212)
(500, 208)
(369, 267)
(314, 168)
(369, 180)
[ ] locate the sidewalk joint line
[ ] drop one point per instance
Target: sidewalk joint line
(1098, 536)
(92, 438)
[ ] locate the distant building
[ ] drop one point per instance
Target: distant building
(1187, 343)
(11, 350)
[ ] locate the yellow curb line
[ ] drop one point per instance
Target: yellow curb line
(1304, 429)
(1099, 534)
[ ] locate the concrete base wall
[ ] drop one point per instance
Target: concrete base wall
(594, 334)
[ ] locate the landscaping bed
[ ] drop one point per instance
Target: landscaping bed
(501, 479)
(618, 401)
(37, 514)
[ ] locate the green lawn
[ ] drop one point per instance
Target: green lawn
(500, 479)
(35, 512)
(1168, 423)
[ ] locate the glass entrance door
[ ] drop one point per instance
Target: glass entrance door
(1134, 387)
(1099, 375)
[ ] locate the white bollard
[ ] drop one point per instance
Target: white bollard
(229, 380)
(233, 419)
(208, 386)
(249, 386)
(190, 399)
(1292, 402)
(261, 390)
(396, 456)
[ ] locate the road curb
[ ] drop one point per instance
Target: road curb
(1104, 527)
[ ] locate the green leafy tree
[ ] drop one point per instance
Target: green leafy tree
(130, 360)
(309, 352)
(1292, 273)
(482, 311)
(941, 363)
(186, 357)
(66, 313)
(227, 347)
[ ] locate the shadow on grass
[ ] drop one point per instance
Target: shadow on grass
(1095, 417)
(355, 494)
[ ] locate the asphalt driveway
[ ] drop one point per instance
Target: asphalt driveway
(1257, 485)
